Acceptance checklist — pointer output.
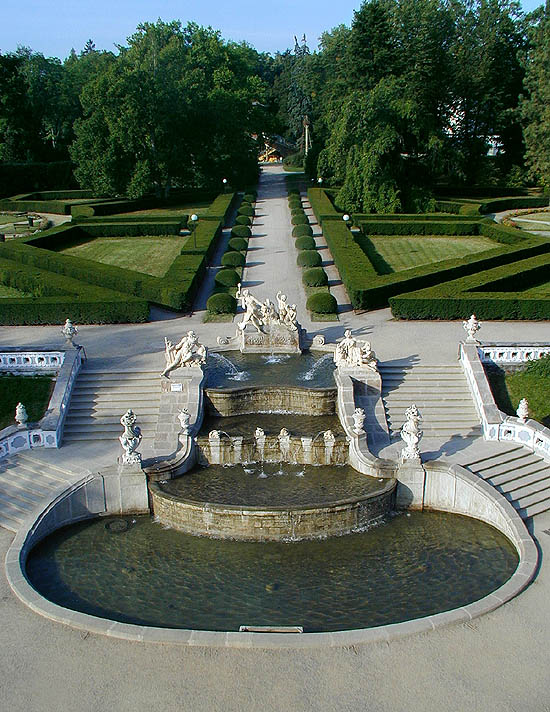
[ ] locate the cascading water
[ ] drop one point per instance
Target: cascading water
(309, 375)
(230, 370)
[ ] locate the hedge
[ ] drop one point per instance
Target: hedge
(496, 206)
(309, 258)
(302, 230)
(305, 243)
(416, 227)
(233, 259)
(238, 243)
(243, 220)
(227, 278)
(300, 220)
(322, 303)
(248, 211)
(249, 198)
(222, 303)
(241, 231)
(315, 277)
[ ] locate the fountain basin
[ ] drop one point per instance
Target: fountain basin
(264, 399)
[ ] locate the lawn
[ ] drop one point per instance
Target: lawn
(509, 388)
(183, 209)
(33, 391)
(400, 253)
(149, 254)
(7, 292)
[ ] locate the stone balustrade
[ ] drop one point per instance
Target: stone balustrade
(19, 361)
(509, 354)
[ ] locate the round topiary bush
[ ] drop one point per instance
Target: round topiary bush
(249, 197)
(322, 303)
(246, 210)
(315, 277)
(222, 304)
(233, 259)
(301, 230)
(238, 244)
(297, 211)
(300, 220)
(243, 220)
(294, 200)
(305, 243)
(227, 278)
(293, 191)
(309, 258)
(240, 231)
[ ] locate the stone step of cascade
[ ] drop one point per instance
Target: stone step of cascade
(25, 483)
(520, 475)
(441, 394)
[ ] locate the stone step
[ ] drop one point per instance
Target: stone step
(29, 482)
(10, 522)
(49, 469)
(107, 419)
(475, 464)
(505, 464)
(121, 389)
(19, 497)
(108, 407)
(94, 434)
(532, 510)
(533, 499)
(534, 483)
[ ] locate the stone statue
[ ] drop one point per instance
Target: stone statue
(265, 314)
(287, 312)
(69, 331)
(187, 353)
(252, 310)
(269, 315)
(350, 354)
(411, 434)
(328, 437)
(214, 435)
(130, 439)
(184, 419)
(358, 420)
(523, 410)
(21, 416)
(259, 433)
(283, 434)
(472, 326)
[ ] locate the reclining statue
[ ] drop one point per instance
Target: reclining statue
(188, 352)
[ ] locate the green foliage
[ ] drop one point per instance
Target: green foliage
(305, 243)
(249, 198)
(227, 278)
(309, 258)
(539, 367)
(300, 219)
(297, 211)
(33, 391)
(222, 303)
(322, 303)
(416, 227)
(246, 210)
(238, 244)
(295, 160)
(20, 177)
(243, 220)
(302, 230)
(233, 259)
(315, 277)
(240, 231)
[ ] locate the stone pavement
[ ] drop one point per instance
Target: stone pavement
(497, 662)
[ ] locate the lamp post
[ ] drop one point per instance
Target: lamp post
(224, 181)
(345, 218)
(320, 181)
(194, 219)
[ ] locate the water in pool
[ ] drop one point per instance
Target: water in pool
(135, 571)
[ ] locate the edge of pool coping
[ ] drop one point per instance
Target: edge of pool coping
(522, 576)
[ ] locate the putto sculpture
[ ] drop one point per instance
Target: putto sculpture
(471, 327)
(187, 353)
(21, 416)
(349, 353)
(130, 438)
(263, 314)
(411, 434)
(523, 410)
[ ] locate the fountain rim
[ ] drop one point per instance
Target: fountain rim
(23, 542)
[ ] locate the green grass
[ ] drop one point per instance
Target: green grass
(149, 255)
(7, 292)
(33, 391)
(183, 209)
(509, 388)
(401, 253)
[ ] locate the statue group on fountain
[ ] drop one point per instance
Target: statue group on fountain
(261, 314)
(350, 353)
(188, 352)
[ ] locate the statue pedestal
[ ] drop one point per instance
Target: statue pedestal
(275, 338)
(125, 489)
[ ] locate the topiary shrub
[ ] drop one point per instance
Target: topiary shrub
(247, 210)
(238, 244)
(233, 259)
(301, 230)
(297, 211)
(315, 277)
(294, 200)
(322, 303)
(240, 231)
(300, 220)
(309, 258)
(249, 197)
(243, 220)
(222, 304)
(305, 243)
(227, 278)
(293, 191)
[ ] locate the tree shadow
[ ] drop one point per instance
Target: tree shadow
(374, 257)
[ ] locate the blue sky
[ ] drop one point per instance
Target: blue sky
(54, 26)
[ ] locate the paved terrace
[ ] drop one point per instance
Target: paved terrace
(498, 662)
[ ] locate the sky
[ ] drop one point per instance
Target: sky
(53, 27)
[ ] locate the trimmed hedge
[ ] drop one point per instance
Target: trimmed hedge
(315, 277)
(233, 259)
(238, 244)
(300, 220)
(322, 303)
(246, 210)
(496, 206)
(222, 303)
(249, 198)
(243, 220)
(227, 278)
(416, 227)
(297, 211)
(309, 258)
(241, 231)
(305, 243)
(302, 230)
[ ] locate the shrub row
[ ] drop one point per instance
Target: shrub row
(417, 227)
(496, 206)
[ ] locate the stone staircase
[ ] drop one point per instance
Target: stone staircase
(24, 484)
(441, 394)
(100, 398)
(522, 477)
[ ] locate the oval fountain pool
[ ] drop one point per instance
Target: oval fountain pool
(413, 565)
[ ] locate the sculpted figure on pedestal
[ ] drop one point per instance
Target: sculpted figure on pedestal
(188, 352)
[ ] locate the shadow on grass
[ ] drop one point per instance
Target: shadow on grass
(375, 258)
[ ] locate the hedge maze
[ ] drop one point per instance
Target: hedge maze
(485, 282)
(88, 291)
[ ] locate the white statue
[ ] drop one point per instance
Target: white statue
(523, 410)
(263, 314)
(21, 416)
(259, 433)
(188, 352)
(472, 326)
(350, 354)
(214, 435)
(287, 312)
(69, 331)
(411, 434)
(269, 315)
(184, 419)
(252, 310)
(358, 420)
(328, 437)
(284, 434)
(130, 438)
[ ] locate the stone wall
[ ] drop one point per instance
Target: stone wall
(264, 399)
